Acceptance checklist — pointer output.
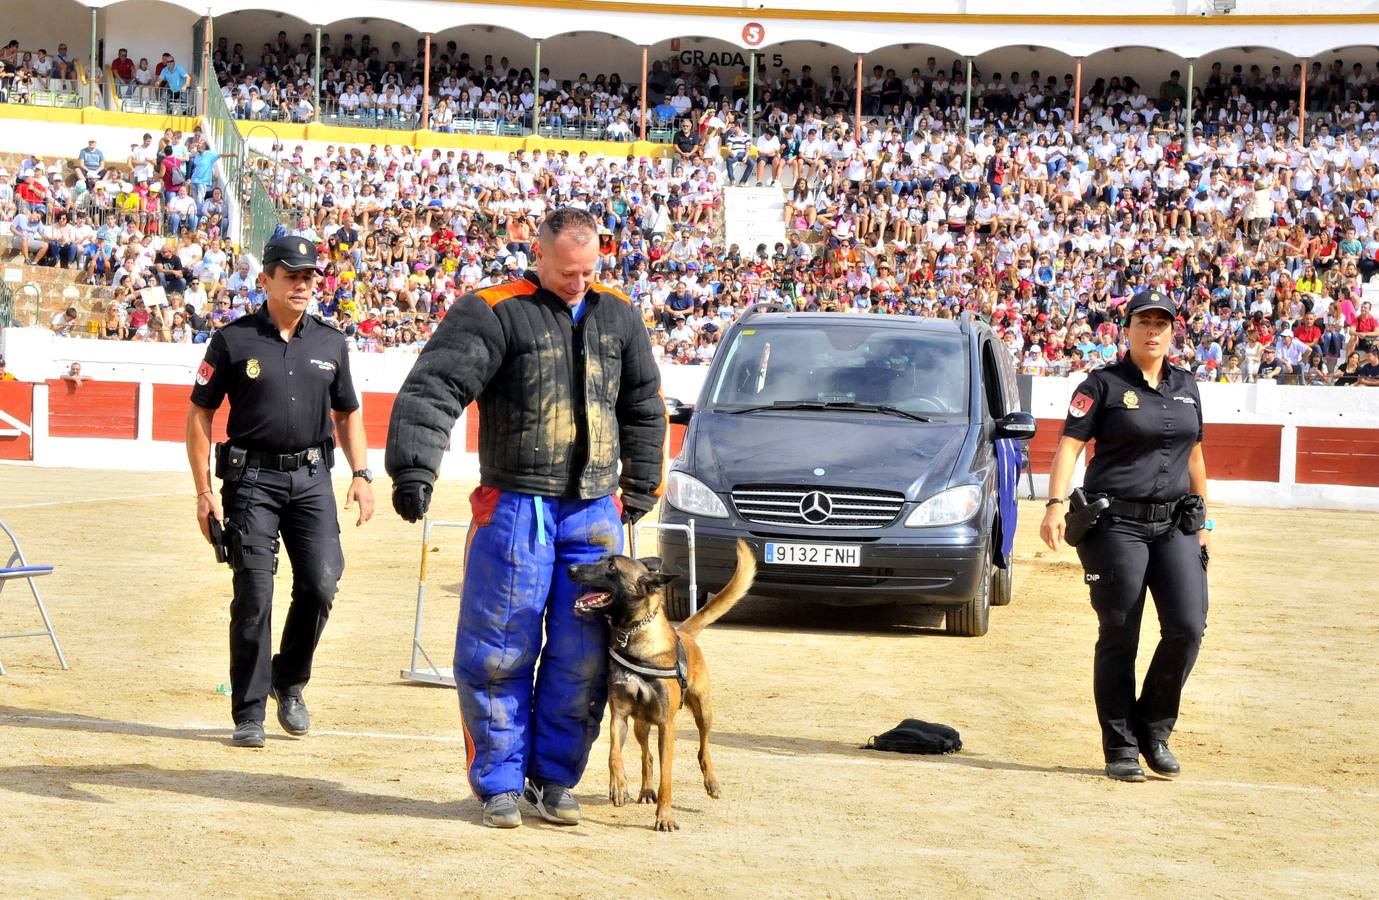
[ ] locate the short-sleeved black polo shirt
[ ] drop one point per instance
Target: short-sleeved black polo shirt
(281, 392)
(1143, 435)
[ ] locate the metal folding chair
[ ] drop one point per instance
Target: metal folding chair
(19, 569)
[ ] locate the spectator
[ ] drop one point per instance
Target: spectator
(26, 230)
(1368, 374)
(174, 76)
(73, 375)
(90, 161)
(122, 68)
(64, 323)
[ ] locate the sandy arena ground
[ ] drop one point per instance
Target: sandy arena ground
(116, 777)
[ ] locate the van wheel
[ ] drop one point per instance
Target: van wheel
(677, 602)
(1004, 590)
(972, 620)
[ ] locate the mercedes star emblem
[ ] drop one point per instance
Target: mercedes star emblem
(816, 507)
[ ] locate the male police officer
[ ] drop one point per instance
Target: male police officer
(567, 389)
(287, 375)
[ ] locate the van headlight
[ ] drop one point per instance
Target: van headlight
(947, 507)
(690, 495)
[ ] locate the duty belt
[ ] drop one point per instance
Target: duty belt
(1144, 512)
(285, 462)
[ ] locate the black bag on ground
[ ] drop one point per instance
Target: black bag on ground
(914, 736)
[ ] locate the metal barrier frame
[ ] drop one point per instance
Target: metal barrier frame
(445, 677)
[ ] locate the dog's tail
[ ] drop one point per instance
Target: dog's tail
(726, 599)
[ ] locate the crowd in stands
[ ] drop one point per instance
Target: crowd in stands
(1266, 236)
(97, 215)
(24, 72)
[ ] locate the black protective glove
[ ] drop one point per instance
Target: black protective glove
(634, 507)
(412, 493)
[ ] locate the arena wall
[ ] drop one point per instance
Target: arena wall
(1267, 445)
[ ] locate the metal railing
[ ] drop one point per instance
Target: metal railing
(158, 100)
(396, 121)
(282, 180)
(256, 213)
(41, 91)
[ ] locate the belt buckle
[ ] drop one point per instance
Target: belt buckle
(313, 456)
(287, 462)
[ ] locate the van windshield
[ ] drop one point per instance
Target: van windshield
(919, 373)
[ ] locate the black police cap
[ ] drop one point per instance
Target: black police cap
(292, 253)
(1146, 300)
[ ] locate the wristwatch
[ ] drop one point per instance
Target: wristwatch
(364, 474)
(1053, 501)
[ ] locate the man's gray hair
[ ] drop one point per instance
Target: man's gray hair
(579, 224)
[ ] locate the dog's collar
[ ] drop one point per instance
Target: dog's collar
(625, 636)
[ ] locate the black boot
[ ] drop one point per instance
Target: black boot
(1124, 770)
(1160, 758)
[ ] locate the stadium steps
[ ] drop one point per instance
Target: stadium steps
(753, 215)
(57, 289)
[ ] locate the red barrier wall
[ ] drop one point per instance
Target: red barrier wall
(170, 402)
(17, 401)
(97, 409)
(1242, 452)
(1043, 444)
(378, 410)
(471, 429)
(1338, 456)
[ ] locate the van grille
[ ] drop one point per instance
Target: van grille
(817, 507)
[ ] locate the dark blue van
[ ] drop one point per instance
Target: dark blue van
(866, 459)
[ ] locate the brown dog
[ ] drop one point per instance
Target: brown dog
(653, 666)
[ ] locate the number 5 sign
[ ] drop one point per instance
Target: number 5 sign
(753, 34)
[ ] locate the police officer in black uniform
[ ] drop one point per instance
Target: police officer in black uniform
(1146, 418)
(287, 375)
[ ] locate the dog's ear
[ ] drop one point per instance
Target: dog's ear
(652, 563)
(654, 580)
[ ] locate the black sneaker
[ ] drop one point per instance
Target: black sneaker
(248, 734)
(1161, 759)
(292, 714)
(500, 811)
(1124, 770)
(553, 802)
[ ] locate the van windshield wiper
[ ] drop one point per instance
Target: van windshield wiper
(832, 404)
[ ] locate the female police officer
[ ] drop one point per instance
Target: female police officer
(1146, 418)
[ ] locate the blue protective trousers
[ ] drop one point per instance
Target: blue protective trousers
(522, 720)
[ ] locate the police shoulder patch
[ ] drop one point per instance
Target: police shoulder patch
(1081, 405)
(204, 373)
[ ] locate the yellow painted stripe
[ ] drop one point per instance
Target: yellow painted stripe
(852, 15)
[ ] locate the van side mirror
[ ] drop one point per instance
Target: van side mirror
(1018, 425)
(679, 413)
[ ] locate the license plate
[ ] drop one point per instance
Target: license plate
(835, 555)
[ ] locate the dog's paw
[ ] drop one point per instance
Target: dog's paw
(666, 823)
(647, 796)
(711, 785)
(619, 795)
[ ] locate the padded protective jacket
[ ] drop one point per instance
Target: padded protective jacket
(560, 404)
